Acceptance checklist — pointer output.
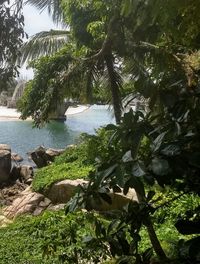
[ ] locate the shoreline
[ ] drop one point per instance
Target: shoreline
(11, 114)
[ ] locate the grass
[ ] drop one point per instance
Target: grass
(45, 177)
(71, 165)
(44, 239)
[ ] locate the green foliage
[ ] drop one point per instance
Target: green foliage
(76, 162)
(153, 44)
(50, 238)
(45, 177)
(11, 34)
(45, 85)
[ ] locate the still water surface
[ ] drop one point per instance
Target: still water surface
(22, 137)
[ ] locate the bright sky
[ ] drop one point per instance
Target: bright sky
(35, 21)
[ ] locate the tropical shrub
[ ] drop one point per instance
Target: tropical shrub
(76, 162)
(50, 238)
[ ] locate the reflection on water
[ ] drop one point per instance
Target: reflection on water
(22, 137)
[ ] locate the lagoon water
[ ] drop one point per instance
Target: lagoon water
(22, 137)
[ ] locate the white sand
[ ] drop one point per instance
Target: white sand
(76, 110)
(7, 114)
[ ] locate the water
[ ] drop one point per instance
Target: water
(23, 138)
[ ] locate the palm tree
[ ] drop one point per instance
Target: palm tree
(98, 64)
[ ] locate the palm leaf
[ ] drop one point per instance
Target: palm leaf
(43, 43)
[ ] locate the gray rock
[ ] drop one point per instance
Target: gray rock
(5, 162)
(39, 157)
(54, 152)
(16, 157)
(26, 172)
(22, 172)
(61, 192)
(42, 156)
(5, 147)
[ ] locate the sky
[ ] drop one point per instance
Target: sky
(35, 21)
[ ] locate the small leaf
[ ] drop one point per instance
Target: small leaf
(138, 169)
(127, 157)
(171, 150)
(158, 141)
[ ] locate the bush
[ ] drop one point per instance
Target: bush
(76, 162)
(46, 176)
(50, 238)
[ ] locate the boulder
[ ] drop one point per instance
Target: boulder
(5, 147)
(61, 192)
(39, 157)
(15, 173)
(27, 203)
(16, 157)
(26, 172)
(42, 156)
(5, 162)
(52, 153)
(23, 172)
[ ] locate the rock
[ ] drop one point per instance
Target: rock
(16, 157)
(5, 147)
(28, 203)
(5, 163)
(39, 157)
(15, 173)
(26, 173)
(57, 207)
(54, 152)
(42, 156)
(61, 192)
(119, 200)
(10, 192)
(23, 172)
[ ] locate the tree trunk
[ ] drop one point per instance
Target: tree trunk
(89, 88)
(114, 86)
(154, 241)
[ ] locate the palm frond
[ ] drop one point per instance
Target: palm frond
(43, 43)
(53, 7)
(115, 82)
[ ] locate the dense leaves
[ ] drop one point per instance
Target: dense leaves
(11, 34)
(152, 48)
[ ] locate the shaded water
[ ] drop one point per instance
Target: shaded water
(22, 137)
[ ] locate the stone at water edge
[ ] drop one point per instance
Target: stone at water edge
(16, 157)
(43, 157)
(5, 162)
(23, 172)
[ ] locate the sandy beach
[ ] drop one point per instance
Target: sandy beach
(10, 114)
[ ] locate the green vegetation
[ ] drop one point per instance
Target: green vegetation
(76, 162)
(55, 237)
(70, 165)
(50, 238)
(45, 177)
(150, 49)
(11, 20)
